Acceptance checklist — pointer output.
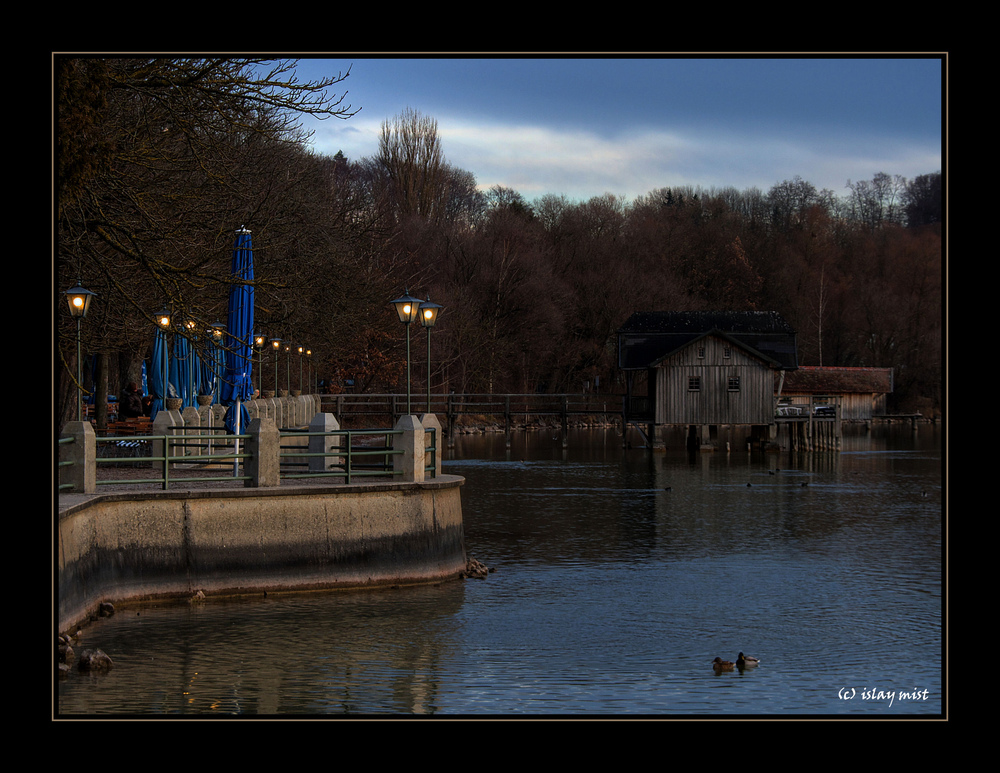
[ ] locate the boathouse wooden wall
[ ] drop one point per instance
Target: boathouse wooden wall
(715, 361)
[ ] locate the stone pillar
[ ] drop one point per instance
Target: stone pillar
(82, 453)
(430, 421)
(263, 466)
(323, 444)
(162, 425)
(411, 442)
(192, 424)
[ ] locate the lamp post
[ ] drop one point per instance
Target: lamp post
(309, 370)
(407, 308)
(276, 345)
(163, 320)
(258, 341)
(79, 304)
(218, 333)
(428, 316)
(192, 330)
(288, 369)
(302, 350)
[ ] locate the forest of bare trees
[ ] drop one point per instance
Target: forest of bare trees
(159, 161)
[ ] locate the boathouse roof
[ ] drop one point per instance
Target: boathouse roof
(648, 336)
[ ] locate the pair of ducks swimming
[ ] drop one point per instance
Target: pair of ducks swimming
(743, 661)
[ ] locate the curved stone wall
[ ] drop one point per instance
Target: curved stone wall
(126, 547)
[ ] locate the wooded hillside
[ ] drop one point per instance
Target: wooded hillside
(159, 161)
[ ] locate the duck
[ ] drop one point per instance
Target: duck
(746, 661)
(722, 665)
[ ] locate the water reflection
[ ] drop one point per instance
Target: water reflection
(620, 575)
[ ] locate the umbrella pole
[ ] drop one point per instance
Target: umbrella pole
(236, 458)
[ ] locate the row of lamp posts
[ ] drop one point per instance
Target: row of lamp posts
(276, 344)
(79, 299)
(409, 310)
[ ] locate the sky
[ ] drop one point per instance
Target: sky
(586, 126)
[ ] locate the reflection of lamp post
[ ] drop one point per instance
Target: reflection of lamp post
(276, 345)
(428, 316)
(79, 304)
(407, 309)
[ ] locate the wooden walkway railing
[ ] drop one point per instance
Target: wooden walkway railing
(505, 408)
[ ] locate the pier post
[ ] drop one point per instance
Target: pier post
(80, 456)
(323, 444)
(264, 448)
(410, 462)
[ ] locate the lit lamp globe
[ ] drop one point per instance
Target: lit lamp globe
(407, 308)
(79, 299)
(429, 313)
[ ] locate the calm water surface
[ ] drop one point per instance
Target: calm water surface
(619, 576)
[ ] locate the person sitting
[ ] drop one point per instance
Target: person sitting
(130, 403)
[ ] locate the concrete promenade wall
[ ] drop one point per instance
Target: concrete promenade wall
(120, 547)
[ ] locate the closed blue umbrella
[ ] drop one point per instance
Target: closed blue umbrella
(237, 383)
(180, 370)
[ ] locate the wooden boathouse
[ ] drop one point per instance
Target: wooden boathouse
(714, 373)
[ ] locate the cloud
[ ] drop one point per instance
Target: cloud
(536, 160)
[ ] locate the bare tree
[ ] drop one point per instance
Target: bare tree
(410, 156)
(159, 160)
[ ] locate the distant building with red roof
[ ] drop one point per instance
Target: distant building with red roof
(860, 392)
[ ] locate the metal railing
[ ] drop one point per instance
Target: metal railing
(194, 449)
(533, 404)
(135, 446)
(65, 464)
(808, 407)
(352, 459)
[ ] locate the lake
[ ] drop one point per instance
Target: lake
(619, 576)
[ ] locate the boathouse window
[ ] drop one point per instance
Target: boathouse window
(734, 383)
(727, 352)
(701, 352)
(694, 383)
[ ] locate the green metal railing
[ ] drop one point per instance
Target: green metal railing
(170, 443)
(352, 459)
(65, 441)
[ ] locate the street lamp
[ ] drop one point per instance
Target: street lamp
(258, 342)
(276, 345)
(217, 333)
(164, 321)
(192, 332)
(288, 369)
(407, 308)
(302, 350)
(79, 304)
(428, 316)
